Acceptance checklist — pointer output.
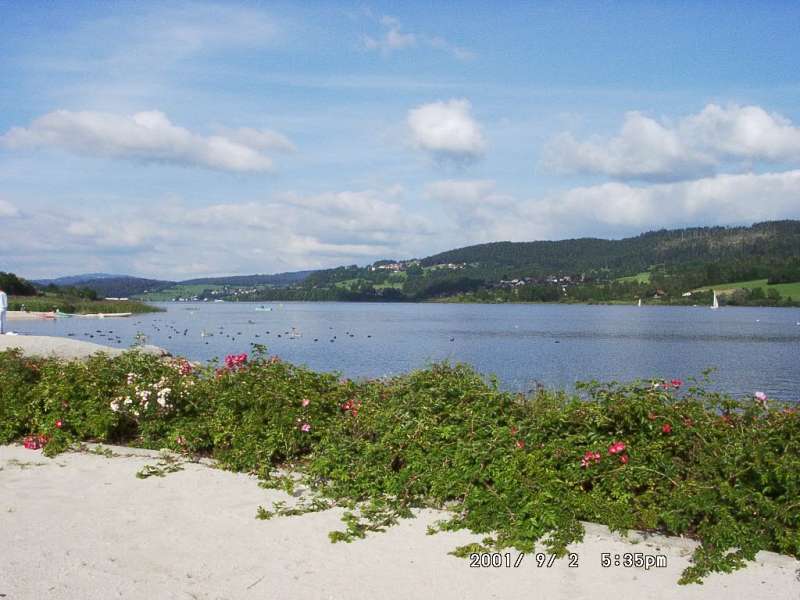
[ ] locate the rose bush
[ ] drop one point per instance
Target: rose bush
(657, 456)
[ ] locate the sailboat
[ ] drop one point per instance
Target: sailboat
(715, 303)
(640, 302)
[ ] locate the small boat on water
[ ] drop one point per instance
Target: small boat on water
(640, 302)
(263, 308)
(715, 303)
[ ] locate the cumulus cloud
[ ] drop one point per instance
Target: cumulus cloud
(393, 38)
(176, 239)
(447, 130)
(644, 149)
(7, 209)
(695, 146)
(146, 136)
(743, 132)
(619, 208)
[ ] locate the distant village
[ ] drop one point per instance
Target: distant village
(399, 266)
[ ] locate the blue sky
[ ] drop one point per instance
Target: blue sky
(185, 139)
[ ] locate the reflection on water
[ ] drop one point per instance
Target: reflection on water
(557, 345)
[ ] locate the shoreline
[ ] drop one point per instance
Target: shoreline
(447, 301)
(67, 348)
(81, 525)
(36, 315)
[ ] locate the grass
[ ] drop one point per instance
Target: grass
(784, 289)
(638, 278)
(78, 305)
(345, 284)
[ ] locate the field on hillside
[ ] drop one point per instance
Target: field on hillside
(638, 278)
(784, 289)
(396, 281)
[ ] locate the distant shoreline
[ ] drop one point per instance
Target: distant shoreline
(452, 301)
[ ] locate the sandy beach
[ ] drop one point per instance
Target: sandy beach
(83, 526)
(65, 348)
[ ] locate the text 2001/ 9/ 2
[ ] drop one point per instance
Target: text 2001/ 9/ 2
(500, 559)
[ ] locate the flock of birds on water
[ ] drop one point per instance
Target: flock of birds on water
(161, 328)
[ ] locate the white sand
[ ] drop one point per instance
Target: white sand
(82, 526)
(66, 348)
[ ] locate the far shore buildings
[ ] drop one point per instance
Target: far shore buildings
(403, 265)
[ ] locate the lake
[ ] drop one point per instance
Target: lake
(555, 345)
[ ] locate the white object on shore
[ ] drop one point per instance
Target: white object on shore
(3, 311)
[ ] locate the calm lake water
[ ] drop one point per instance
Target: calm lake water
(556, 345)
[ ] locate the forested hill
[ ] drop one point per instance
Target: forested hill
(666, 266)
(769, 240)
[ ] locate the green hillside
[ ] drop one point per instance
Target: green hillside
(628, 256)
(659, 266)
(784, 289)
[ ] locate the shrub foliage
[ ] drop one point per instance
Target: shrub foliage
(524, 470)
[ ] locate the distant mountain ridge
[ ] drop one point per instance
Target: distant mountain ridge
(76, 279)
(108, 285)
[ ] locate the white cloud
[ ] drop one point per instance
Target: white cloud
(475, 192)
(393, 38)
(447, 130)
(7, 209)
(145, 136)
(176, 240)
(743, 132)
(695, 146)
(261, 139)
(618, 208)
(644, 149)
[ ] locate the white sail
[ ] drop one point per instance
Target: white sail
(640, 301)
(715, 304)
